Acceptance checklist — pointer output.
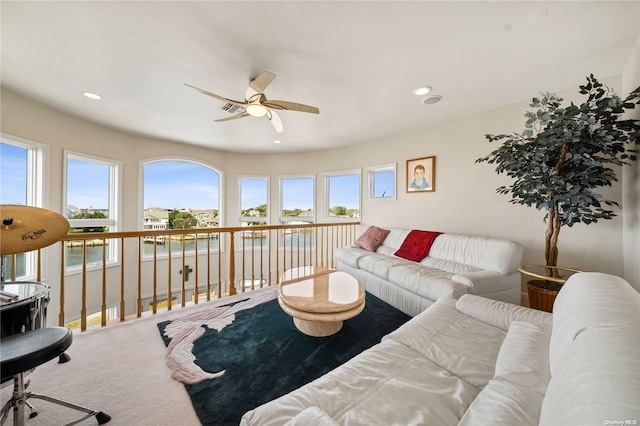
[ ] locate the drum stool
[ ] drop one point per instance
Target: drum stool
(23, 352)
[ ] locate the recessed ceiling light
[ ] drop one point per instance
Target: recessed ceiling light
(92, 96)
(276, 141)
(422, 90)
(430, 100)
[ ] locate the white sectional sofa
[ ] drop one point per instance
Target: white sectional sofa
(455, 265)
(477, 361)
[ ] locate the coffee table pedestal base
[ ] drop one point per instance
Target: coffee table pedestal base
(318, 329)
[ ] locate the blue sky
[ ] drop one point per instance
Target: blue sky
(173, 185)
(13, 178)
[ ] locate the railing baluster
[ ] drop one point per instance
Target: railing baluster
(122, 286)
(62, 269)
(103, 310)
(139, 299)
(232, 265)
(83, 309)
(183, 292)
(195, 282)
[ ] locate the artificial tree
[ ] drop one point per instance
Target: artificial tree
(565, 154)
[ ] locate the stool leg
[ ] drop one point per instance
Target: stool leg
(17, 401)
(100, 416)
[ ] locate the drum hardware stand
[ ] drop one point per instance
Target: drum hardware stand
(24, 229)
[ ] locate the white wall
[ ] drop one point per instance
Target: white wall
(631, 184)
(464, 201)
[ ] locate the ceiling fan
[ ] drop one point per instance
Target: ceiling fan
(256, 103)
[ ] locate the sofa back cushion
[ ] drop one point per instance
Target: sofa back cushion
(492, 254)
(393, 241)
(594, 352)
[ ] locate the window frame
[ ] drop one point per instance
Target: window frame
(177, 159)
(327, 194)
(289, 219)
(248, 219)
(371, 172)
(37, 166)
(114, 206)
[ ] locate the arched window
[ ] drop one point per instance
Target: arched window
(180, 194)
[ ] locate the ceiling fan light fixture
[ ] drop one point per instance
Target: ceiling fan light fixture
(256, 110)
(422, 90)
(92, 96)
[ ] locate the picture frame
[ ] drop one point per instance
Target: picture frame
(421, 174)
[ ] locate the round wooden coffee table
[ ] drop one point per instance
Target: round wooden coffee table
(320, 299)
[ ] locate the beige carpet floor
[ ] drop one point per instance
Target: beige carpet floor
(120, 370)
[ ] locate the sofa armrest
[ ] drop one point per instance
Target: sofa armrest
(499, 314)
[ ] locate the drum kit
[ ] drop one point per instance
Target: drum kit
(23, 305)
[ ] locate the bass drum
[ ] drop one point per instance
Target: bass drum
(23, 306)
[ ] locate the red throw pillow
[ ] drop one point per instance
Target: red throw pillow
(372, 238)
(417, 245)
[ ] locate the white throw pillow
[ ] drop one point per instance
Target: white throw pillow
(524, 356)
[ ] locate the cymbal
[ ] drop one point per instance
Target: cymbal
(26, 228)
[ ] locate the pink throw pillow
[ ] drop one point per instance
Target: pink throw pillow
(372, 238)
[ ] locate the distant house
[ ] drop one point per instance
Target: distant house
(73, 210)
(155, 219)
(205, 218)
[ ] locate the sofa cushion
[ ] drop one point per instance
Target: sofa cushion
(448, 266)
(504, 403)
(417, 245)
(394, 240)
(372, 238)
(413, 389)
(351, 255)
(485, 253)
(312, 416)
(426, 282)
(379, 264)
(524, 356)
(461, 345)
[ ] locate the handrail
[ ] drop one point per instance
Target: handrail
(265, 252)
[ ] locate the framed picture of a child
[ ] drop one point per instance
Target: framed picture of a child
(421, 174)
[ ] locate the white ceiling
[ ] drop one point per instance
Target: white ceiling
(356, 61)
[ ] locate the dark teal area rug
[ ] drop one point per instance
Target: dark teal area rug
(263, 355)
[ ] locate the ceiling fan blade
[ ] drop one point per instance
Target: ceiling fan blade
(223, 99)
(251, 92)
(262, 81)
(291, 106)
(275, 120)
(233, 117)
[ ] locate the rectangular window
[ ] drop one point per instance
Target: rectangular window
(297, 197)
(21, 182)
(254, 200)
(91, 201)
(343, 194)
(382, 181)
